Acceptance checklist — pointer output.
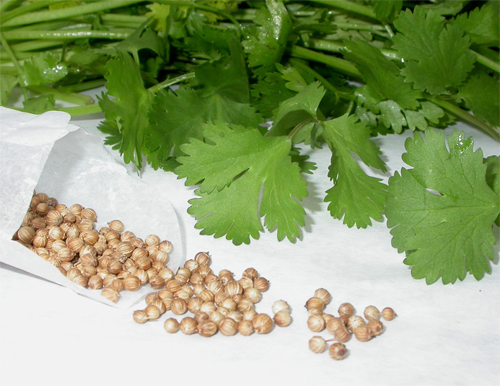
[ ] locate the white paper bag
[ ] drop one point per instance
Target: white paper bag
(47, 154)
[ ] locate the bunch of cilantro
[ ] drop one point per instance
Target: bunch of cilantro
(259, 82)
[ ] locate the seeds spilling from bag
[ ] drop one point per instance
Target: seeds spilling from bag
(109, 259)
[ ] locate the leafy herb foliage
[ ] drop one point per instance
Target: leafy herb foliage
(258, 82)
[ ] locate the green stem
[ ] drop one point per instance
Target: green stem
(77, 99)
(204, 8)
(297, 128)
(66, 13)
(305, 68)
(348, 6)
(5, 4)
(76, 33)
(25, 9)
(169, 82)
(84, 86)
(493, 132)
(81, 110)
(16, 64)
(339, 64)
(492, 65)
(333, 46)
(35, 45)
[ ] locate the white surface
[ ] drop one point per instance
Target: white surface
(444, 335)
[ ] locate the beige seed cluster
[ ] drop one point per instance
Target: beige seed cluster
(109, 259)
(343, 326)
(214, 302)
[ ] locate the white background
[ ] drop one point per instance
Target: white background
(443, 335)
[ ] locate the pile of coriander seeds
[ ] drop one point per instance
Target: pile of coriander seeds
(217, 302)
(109, 259)
(343, 326)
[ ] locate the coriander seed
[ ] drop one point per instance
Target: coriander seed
(188, 325)
(337, 351)
(140, 316)
(388, 314)
(262, 324)
(317, 344)
(282, 319)
(171, 325)
(372, 313)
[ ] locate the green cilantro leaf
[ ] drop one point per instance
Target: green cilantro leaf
(481, 24)
(441, 212)
(7, 84)
(130, 107)
(266, 46)
(355, 196)
(382, 77)
(142, 38)
(40, 104)
(42, 69)
(158, 14)
(301, 108)
(493, 176)
(387, 10)
(269, 92)
(226, 76)
(436, 57)
(177, 117)
(481, 94)
(234, 167)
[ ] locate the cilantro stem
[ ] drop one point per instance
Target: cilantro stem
(170, 82)
(16, 64)
(492, 65)
(77, 99)
(66, 13)
(204, 8)
(18, 12)
(5, 4)
(348, 6)
(297, 128)
(304, 68)
(333, 46)
(493, 132)
(84, 86)
(82, 110)
(339, 64)
(68, 34)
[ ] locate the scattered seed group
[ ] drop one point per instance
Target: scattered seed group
(343, 326)
(216, 302)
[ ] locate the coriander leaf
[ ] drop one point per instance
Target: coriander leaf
(387, 10)
(234, 167)
(441, 212)
(42, 69)
(295, 80)
(7, 84)
(481, 94)
(266, 46)
(130, 107)
(427, 113)
(226, 76)
(301, 108)
(382, 77)
(493, 177)
(158, 14)
(40, 104)
(436, 57)
(269, 92)
(355, 196)
(142, 38)
(481, 24)
(176, 117)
